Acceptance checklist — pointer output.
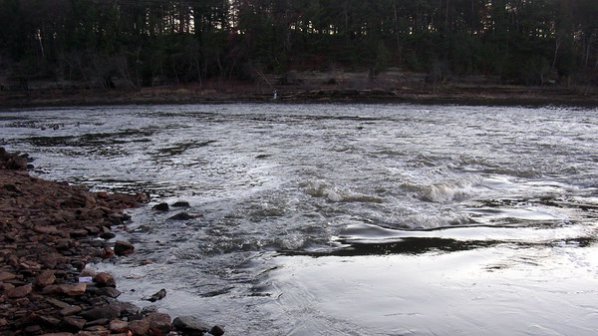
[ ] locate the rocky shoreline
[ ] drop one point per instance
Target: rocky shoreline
(49, 233)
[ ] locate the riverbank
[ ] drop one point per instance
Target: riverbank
(352, 90)
(49, 233)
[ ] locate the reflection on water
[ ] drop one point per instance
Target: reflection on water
(345, 219)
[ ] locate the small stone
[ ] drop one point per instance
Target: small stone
(139, 327)
(32, 330)
(159, 323)
(46, 278)
(122, 248)
(70, 310)
(190, 324)
(109, 292)
(75, 322)
(19, 292)
(118, 326)
(161, 207)
(50, 320)
(181, 204)
(217, 331)
(107, 235)
(157, 296)
(57, 303)
(110, 312)
(74, 290)
(98, 329)
(102, 321)
(104, 279)
(5, 276)
(43, 229)
(181, 216)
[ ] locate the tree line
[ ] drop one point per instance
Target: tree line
(148, 42)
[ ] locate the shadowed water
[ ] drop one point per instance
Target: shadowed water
(346, 219)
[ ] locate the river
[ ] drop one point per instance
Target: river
(344, 219)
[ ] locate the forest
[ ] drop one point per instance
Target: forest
(153, 42)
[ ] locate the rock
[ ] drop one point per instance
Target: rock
(181, 216)
(159, 324)
(157, 296)
(75, 322)
(50, 320)
(46, 278)
(4, 276)
(122, 248)
(32, 329)
(102, 321)
(58, 303)
(217, 331)
(19, 292)
(70, 310)
(191, 325)
(43, 229)
(118, 326)
(139, 327)
(110, 312)
(181, 204)
(107, 235)
(58, 334)
(104, 279)
(161, 207)
(109, 292)
(66, 289)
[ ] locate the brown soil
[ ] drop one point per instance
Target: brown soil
(338, 87)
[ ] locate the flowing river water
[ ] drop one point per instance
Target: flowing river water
(345, 219)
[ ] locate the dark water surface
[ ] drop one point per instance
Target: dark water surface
(346, 219)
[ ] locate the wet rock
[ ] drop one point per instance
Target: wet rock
(104, 279)
(161, 207)
(46, 278)
(19, 292)
(107, 235)
(190, 325)
(74, 322)
(5, 276)
(157, 296)
(70, 310)
(57, 303)
(32, 330)
(118, 326)
(123, 248)
(102, 321)
(66, 289)
(49, 320)
(182, 216)
(109, 312)
(159, 324)
(217, 331)
(46, 229)
(139, 327)
(181, 204)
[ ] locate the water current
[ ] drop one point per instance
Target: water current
(345, 219)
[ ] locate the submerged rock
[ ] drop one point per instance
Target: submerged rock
(157, 296)
(182, 216)
(123, 248)
(181, 204)
(161, 207)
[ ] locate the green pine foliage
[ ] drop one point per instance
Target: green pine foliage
(150, 42)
